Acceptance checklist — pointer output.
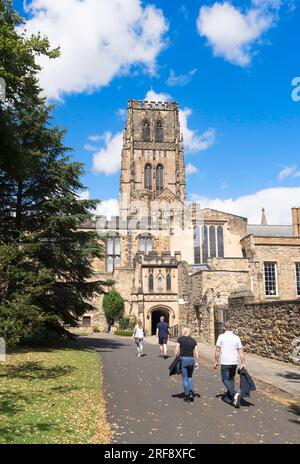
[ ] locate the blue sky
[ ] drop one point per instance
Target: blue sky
(228, 64)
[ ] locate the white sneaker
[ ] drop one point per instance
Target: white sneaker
(237, 400)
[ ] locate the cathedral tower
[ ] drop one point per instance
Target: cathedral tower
(152, 157)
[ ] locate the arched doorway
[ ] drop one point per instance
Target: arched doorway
(155, 317)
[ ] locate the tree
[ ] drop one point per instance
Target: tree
(46, 275)
(113, 305)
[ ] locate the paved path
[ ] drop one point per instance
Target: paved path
(284, 376)
(146, 405)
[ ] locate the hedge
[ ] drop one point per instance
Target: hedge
(124, 333)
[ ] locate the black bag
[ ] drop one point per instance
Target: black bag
(175, 366)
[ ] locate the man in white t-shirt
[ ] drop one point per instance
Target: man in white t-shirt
(230, 348)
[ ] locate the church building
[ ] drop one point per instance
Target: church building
(184, 261)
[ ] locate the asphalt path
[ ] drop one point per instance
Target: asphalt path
(145, 405)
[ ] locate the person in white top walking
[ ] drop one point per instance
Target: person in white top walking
(138, 335)
(230, 348)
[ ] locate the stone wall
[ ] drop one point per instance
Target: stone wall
(267, 329)
(285, 252)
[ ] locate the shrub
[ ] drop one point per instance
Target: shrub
(127, 322)
(96, 329)
(113, 305)
(123, 333)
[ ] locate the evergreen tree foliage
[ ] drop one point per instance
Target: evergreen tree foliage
(46, 276)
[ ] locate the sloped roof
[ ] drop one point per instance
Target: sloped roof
(270, 230)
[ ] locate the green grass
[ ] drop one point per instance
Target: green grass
(52, 396)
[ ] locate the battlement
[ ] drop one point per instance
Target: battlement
(165, 259)
(145, 105)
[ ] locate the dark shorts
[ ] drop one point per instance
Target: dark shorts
(163, 340)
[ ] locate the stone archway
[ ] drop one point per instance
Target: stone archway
(155, 317)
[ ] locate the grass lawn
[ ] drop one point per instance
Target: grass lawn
(52, 396)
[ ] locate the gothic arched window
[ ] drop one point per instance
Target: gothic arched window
(149, 245)
(220, 242)
(160, 282)
(146, 131)
(151, 282)
(197, 257)
(159, 132)
(169, 284)
(204, 244)
(113, 253)
(159, 179)
(148, 177)
(109, 264)
(212, 242)
(145, 244)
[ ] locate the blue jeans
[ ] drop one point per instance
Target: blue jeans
(140, 346)
(228, 374)
(187, 366)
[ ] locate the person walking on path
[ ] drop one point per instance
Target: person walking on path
(187, 349)
(162, 334)
(138, 335)
(230, 348)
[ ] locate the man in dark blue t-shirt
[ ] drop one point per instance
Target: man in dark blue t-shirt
(162, 334)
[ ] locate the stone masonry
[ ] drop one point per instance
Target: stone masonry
(268, 329)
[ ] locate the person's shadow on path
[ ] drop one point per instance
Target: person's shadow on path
(224, 398)
(182, 395)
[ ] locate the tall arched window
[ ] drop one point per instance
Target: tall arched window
(159, 132)
(204, 244)
(113, 252)
(145, 244)
(159, 179)
(160, 282)
(212, 242)
(109, 264)
(220, 242)
(148, 177)
(197, 257)
(149, 245)
(169, 283)
(146, 131)
(151, 286)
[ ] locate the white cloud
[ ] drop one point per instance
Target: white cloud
(194, 142)
(108, 160)
(84, 195)
(190, 169)
(181, 79)
(122, 113)
(277, 202)
(232, 33)
(288, 171)
(95, 138)
(151, 95)
(99, 40)
(89, 147)
(224, 185)
(108, 208)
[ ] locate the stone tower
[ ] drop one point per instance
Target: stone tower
(152, 158)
